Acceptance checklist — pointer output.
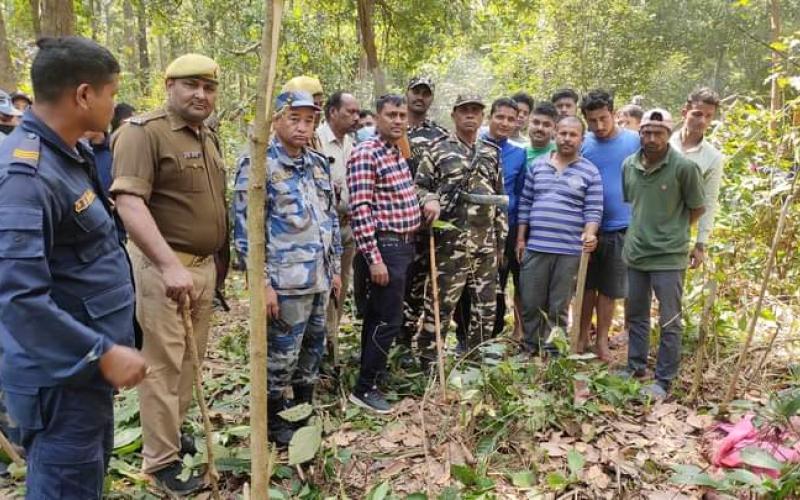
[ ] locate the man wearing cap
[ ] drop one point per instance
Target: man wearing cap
(169, 186)
(21, 100)
(312, 86)
(421, 132)
(665, 190)
(9, 116)
(303, 256)
(463, 173)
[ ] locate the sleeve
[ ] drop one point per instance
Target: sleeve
(692, 185)
(240, 206)
(133, 162)
(711, 183)
(501, 221)
(526, 197)
(593, 203)
(27, 311)
(627, 196)
(361, 183)
(336, 230)
(425, 180)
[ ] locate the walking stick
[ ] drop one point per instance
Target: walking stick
(575, 330)
(186, 317)
(437, 328)
(7, 447)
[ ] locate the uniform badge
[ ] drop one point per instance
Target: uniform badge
(26, 155)
(192, 155)
(84, 201)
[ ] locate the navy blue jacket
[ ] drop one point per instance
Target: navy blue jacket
(66, 292)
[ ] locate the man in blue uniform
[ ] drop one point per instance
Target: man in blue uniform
(66, 294)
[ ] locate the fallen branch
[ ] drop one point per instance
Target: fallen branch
(437, 327)
(7, 447)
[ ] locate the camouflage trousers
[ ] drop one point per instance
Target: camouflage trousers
(461, 271)
(416, 284)
(296, 342)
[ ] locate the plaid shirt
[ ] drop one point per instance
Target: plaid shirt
(382, 195)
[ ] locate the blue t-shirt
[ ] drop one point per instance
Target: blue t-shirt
(608, 155)
(512, 161)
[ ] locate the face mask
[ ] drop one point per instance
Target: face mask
(6, 129)
(365, 133)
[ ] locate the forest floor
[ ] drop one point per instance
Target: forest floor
(510, 428)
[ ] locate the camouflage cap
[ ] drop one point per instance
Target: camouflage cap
(421, 80)
(193, 66)
(6, 107)
(305, 84)
(295, 99)
(463, 99)
(17, 94)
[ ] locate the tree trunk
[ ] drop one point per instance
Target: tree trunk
(92, 18)
(128, 39)
(256, 201)
(35, 18)
(58, 18)
(775, 97)
(8, 75)
(141, 40)
(366, 10)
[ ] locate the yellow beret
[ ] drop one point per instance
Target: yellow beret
(303, 83)
(193, 65)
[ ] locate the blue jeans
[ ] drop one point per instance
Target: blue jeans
(68, 435)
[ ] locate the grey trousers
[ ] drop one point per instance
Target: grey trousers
(547, 281)
(668, 287)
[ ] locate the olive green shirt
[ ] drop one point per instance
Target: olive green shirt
(661, 199)
(179, 173)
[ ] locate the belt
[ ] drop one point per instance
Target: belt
(190, 260)
(390, 236)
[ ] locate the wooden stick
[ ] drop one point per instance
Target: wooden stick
(7, 447)
(757, 371)
(191, 341)
(437, 328)
(705, 318)
(776, 238)
(575, 330)
(261, 457)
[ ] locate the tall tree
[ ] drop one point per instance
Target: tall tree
(8, 75)
(366, 13)
(35, 18)
(57, 18)
(775, 96)
(141, 40)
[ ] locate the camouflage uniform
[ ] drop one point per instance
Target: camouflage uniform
(303, 252)
(419, 137)
(466, 256)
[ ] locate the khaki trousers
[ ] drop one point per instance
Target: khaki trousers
(334, 314)
(165, 395)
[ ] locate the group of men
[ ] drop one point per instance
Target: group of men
(87, 307)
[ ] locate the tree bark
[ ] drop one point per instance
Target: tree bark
(8, 74)
(141, 40)
(58, 18)
(92, 18)
(256, 202)
(775, 97)
(128, 38)
(366, 11)
(35, 18)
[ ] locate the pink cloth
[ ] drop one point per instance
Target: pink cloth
(744, 434)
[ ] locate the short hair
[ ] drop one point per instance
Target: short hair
(547, 109)
(563, 119)
(633, 110)
(503, 102)
(597, 99)
(703, 95)
(334, 102)
(122, 111)
(365, 113)
(393, 99)
(565, 93)
(64, 63)
(523, 98)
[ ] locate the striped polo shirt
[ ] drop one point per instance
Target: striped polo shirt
(556, 207)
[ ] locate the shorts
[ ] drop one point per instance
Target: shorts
(608, 273)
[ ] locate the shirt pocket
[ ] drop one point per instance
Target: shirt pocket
(295, 272)
(24, 407)
(21, 234)
(182, 175)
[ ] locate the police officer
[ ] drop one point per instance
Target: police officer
(169, 185)
(463, 171)
(303, 255)
(66, 294)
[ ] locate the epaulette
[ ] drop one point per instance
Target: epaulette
(25, 156)
(147, 117)
(316, 154)
(437, 140)
(490, 144)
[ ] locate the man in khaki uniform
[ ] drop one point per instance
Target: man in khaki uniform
(169, 186)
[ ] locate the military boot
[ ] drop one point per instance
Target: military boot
(280, 431)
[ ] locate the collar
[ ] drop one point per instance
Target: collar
(326, 135)
(550, 163)
(426, 123)
(677, 142)
(33, 124)
(277, 151)
(177, 123)
(640, 166)
(497, 142)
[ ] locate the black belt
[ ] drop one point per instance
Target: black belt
(390, 236)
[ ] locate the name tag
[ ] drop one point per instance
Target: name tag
(84, 201)
(192, 155)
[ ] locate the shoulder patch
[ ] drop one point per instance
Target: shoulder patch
(147, 117)
(25, 156)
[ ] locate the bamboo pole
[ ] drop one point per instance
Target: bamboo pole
(705, 318)
(256, 275)
(729, 393)
(7, 447)
(191, 341)
(437, 327)
(575, 330)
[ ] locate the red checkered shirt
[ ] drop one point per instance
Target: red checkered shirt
(382, 195)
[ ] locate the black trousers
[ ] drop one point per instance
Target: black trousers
(383, 312)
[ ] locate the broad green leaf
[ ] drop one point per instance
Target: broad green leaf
(464, 474)
(440, 224)
(417, 496)
(575, 461)
(744, 476)
(127, 441)
(304, 444)
(759, 458)
(379, 492)
(297, 413)
(692, 475)
(523, 479)
(276, 494)
(556, 481)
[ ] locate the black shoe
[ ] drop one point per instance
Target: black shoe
(187, 445)
(279, 430)
(303, 394)
(371, 400)
(167, 479)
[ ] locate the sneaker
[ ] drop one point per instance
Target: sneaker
(371, 400)
(187, 445)
(654, 391)
(167, 479)
(627, 374)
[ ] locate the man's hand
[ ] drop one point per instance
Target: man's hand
(336, 284)
(378, 274)
(589, 242)
(697, 257)
(520, 250)
(271, 302)
(178, 281)
(431, 211)
(122, 366)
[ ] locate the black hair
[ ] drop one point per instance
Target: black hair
(597, 99)
(564, 94)
(545, 108)
(394, 99)
(633, 110)
(503, 102)
(333, 102)
(571, 118)
(703, 95)
(122, 111)
(523, 98)
(365, 113)
(64, 63)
